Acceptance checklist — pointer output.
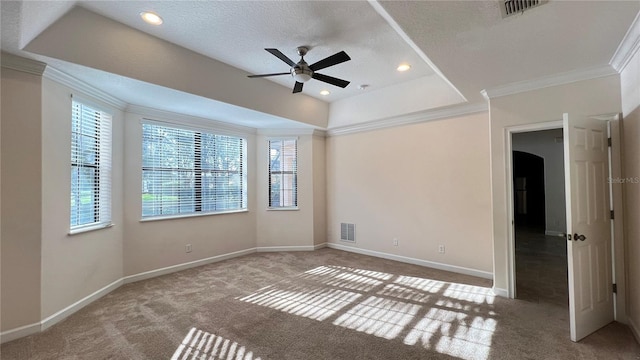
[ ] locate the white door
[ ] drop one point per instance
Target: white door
(589, 224)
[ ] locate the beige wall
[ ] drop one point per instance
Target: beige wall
(141, 56)
(285, 227)
(74, 266)
(590, 97)
(425, 184)
(152, 245)
(319, 191)
(21, 198)
(630, 85)
(302, 227)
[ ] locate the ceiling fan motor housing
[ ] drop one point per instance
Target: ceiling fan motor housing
(301, 72)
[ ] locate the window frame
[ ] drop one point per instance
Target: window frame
(102, 167)
(294, 207)
(197, 169)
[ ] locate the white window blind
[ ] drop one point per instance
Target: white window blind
(283, 173)
(190, 172)
(90, 167)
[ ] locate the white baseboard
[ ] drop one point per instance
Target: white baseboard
(634, 329)
(19, 332)
(285, 248)
(66, 312)
(426, 263)
(501, 292)
(48, 322)
(174, 268)
(320, 246)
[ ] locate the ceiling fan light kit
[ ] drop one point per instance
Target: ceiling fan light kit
(303, 72)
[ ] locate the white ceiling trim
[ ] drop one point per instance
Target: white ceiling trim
(628, 47)
(548, 81)
(22, 64)
(65, 79)
(176, 118)
(292, 132)
(396, 27)
(414, 118)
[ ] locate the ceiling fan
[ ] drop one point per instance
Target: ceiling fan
(302, 72)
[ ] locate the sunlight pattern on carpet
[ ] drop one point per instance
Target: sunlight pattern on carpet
(454, 333)
(202, 345)
(444, 317)
(377, 316)
(314, 303)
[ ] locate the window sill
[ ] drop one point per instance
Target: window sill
(292, 208)
(173, 217)
(85, 229)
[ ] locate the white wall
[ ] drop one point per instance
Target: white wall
(21, 198)
(589, 97)
(403, 98)
(630, 85)
(152, 245)
(544, 144)
(74, 266)
(425, 184)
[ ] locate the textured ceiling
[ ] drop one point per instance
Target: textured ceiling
(476, 49)
(457, 47)
(236, 33)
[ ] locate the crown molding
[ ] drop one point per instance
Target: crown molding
(81, 86)
(628, 47)
(19, 63)
(168, 116)
(292, 132)
(549, 81)
(413, 118)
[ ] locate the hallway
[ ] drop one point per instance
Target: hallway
(541, 267)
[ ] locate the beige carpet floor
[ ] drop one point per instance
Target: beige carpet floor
(325, 304)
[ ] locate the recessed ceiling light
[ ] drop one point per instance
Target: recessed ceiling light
(324, 92)
(404, 67)
(151, 18)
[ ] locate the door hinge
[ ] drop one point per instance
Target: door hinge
(612, 216)
(609, 142)
(615, 288)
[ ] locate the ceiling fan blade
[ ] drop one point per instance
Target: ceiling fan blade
(330, 61)
(297, 87)
(281, 56)
(265, 75)
(331, 80)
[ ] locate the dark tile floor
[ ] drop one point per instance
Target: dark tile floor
(541, 267)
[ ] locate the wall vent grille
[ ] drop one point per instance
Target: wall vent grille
(512, 7)
(348, 232)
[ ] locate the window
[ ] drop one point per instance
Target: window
(90, 167)
(191, 172)
(283, 173)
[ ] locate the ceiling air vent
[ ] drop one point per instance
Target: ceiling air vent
(348, 232)
(512, 7)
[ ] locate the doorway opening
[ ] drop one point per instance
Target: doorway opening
(540, 217)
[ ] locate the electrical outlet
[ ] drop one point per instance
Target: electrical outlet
(441, 249)
(187, 248)
(395, 242)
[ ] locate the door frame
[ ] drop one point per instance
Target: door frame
(511, 247)
(616, 197)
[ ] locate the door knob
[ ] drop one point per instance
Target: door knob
(580, 237)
